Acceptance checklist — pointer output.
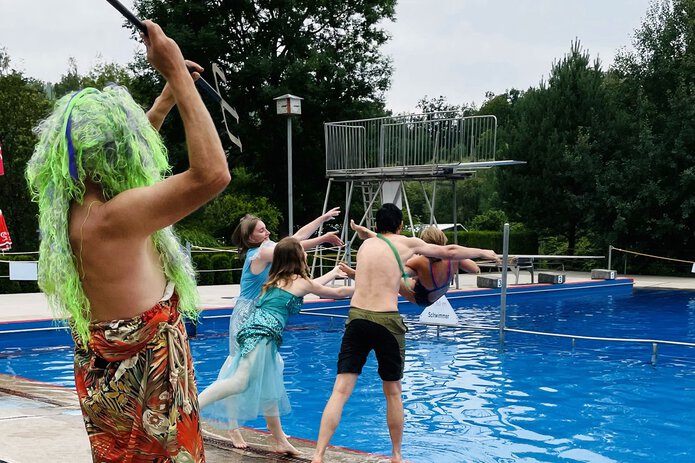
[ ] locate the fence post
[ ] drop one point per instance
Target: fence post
(503, 291)
(610, 257)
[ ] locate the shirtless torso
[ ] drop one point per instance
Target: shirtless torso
(378, 275)
(121, 277)
(119, 267)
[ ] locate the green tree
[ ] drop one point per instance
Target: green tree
(221, 216)
(555, 129)
(99, 76)
(653, 178)
(22, 104)
(326, 52)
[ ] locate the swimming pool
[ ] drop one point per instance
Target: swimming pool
(469, 399)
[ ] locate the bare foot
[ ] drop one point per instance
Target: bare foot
(317, 459)
(397, 459)
(237, 439)
(286, 448)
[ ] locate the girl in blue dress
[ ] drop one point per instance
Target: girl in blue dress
(252, 239)
(251, 382)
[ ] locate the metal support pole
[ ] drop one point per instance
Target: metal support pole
(319, 250)
(290, 215)
(610, 256)
(407, 208)
(456, 231)
(503, 291)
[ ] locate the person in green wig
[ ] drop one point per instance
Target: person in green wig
(110, 263)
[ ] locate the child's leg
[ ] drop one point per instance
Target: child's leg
(280, 442)
(236, 437)
(237, 383)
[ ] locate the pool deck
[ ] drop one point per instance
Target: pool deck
(40, 422)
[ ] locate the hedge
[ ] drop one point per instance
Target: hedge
(8, 286)
(520, 242)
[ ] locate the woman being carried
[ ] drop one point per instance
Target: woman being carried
(252, 383)
(431, 277)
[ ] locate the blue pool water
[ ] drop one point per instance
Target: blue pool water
(469, 399)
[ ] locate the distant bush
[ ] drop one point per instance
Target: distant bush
(221, 261)
(520, 242)
(8, 286)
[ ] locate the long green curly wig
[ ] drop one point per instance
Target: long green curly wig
(112, 143)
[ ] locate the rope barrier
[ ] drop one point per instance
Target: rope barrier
(195, 248)
(514, 330)
(18, 253)
(217, 270)
(653, 256)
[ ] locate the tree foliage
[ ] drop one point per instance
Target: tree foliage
(556, 129)
(22, 105)
(654, 85)
(326, 52)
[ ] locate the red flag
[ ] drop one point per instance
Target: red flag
(2, 169)
(5, 240)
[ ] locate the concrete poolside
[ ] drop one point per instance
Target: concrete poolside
(41, 422)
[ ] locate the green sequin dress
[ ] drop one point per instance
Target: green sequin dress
(259, 338)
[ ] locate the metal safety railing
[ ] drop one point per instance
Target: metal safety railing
(438, 138)
(502, 327)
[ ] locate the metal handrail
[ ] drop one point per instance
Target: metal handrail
(409, 141)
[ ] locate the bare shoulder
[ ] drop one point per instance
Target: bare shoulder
(301, 287)
(410, 241)
(87, 219)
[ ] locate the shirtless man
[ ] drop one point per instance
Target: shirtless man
(111, 264)
(374, 322)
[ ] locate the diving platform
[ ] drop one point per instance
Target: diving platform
(429, 146)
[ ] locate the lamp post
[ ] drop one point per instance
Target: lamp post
(289, 105)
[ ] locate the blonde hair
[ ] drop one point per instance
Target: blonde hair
(289, 262)
(433, 235)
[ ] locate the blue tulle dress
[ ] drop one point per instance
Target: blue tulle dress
(251, 285)
(258, 339)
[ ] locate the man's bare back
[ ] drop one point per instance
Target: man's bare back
(120, 269)
(378, 274)
(121, 277)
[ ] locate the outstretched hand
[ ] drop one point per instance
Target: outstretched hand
(346, 270)
(332, 238)
(489, 254)
(330, 215)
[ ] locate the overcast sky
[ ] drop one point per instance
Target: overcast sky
(455, 48)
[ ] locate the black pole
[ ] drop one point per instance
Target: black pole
(128, 15)
(200, 83)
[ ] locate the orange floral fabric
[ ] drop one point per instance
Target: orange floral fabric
(137, 391)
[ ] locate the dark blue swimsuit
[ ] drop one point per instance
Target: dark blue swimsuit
(422, 294)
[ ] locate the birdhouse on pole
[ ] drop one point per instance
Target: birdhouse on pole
(288, 105)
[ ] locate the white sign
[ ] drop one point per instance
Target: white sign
(27, 271)
(440, 313)
(692, 270)
(391, 193)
